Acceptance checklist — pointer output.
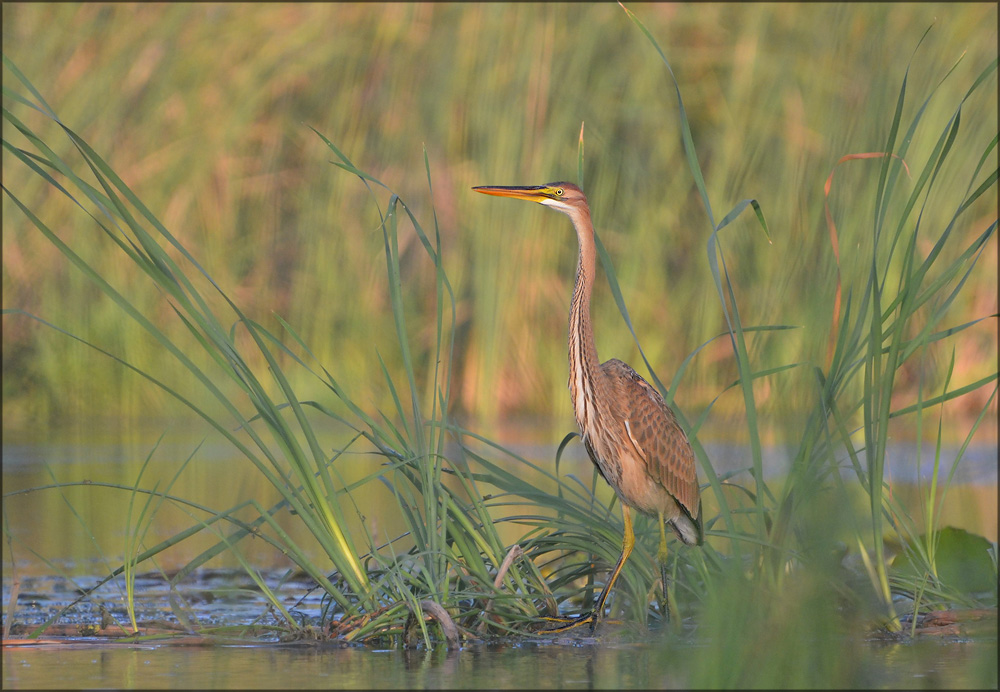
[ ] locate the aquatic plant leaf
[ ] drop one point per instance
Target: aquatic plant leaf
(963, 562)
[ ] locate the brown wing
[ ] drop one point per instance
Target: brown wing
(669, 457)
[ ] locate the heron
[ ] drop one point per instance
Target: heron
(629, 431)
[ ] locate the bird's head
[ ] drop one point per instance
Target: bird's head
(566, 197)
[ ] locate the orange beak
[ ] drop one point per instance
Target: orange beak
(533, 193)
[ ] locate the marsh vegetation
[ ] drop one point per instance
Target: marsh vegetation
(239, 287)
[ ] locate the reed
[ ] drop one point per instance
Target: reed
(495, 92)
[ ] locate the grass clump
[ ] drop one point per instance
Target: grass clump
(374, 586)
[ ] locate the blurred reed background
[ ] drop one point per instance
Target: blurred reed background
(204, 110)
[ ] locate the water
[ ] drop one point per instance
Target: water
(636, 660)
(478, 667)
(58, 551)
(219, 479)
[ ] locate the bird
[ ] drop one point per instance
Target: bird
(629, 431)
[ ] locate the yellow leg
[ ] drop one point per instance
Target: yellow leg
(661, 558)
(628, 542)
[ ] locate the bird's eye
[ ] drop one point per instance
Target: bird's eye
(559, 192)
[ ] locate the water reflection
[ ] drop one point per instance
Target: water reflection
(219, 479)
(656, 664)
(88, 541)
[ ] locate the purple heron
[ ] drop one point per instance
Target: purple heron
(631, 434)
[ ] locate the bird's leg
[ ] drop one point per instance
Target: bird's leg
(661, 558)
(628, 542)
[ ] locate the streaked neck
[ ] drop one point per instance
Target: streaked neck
(583, 361)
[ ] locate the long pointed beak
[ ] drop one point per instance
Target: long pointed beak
(534, 193)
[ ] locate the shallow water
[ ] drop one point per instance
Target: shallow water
(631, 658)
(218, 479)
(88, 541)
(921, 665)
(928, 664)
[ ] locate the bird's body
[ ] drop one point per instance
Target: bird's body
(631, 434)
(642, 452)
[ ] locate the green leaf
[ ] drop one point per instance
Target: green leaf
(962, 560)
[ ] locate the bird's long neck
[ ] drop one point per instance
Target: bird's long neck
(584, 374)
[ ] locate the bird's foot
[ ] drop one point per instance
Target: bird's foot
(567, 624)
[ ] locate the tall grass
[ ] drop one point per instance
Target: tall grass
(772, 569)
(277, 437)
(860, 333)
(496, 92)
